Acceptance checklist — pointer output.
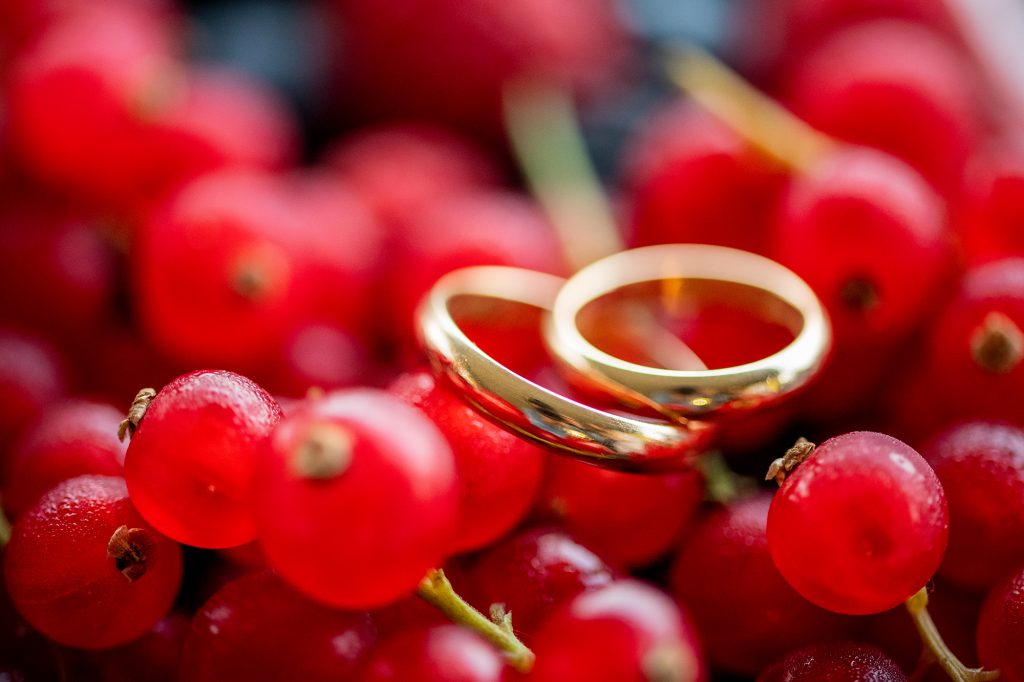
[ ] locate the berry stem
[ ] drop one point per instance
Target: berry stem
(917, 606)
(763, 122)
(546, 138)
(437, 590)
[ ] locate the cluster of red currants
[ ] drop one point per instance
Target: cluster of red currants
(309, 510)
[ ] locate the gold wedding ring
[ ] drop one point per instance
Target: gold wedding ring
(612, 440)
(772, 289)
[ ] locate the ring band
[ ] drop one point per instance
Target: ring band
(527, 409)
(690, 392)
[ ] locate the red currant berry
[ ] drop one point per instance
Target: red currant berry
(109, 64)
(994, 185)
(532, 572)
(257, 628)
(454, 58)
(831, 225)
(31, 377)
(357, 498)
(860, 526)
(442, 652)
(61, 266)
(897, 86)
(319, 356)
(498, 473)
(85, 569)
(69, 440)
(650, 512)
(624, 631)
(981, 468)
(472, 228)
(724, 575)
(978, 345)
(1001, 629)
(691, 178)
(190, 464)
(432, 162)
(835, 662)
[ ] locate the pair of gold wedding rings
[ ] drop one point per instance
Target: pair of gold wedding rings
(685, 401)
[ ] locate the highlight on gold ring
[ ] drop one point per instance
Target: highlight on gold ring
(743, 278)
(611, 440)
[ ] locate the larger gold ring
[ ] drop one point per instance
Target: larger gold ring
(692, 392)
(547, 418)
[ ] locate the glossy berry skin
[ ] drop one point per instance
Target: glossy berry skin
(191, 463)
(70, 439)
(356, 499)
(977, 345)
(690, 178)
(622, 632)
(650, 512)
(32, 375)
(491, 464)
(723, 574)
(259, 628)
(835, 662)
(981, 468)
(532, 572)
(992, 203)
(442, 652)
(73, 583)
(830, 227)
(897, 86)
(1001, 629)
(860, 526)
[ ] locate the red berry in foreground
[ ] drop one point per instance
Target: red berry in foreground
(836, 662)
(356, 498)
(190, 464)
(860, 526)
(1001, 629)
(86, 570)
(497, 473)
(442, 652)
(626, 631)
(981, 468)
(72, 439)
(532, 572)
(747, 615)
(257, 628)
(649, 513)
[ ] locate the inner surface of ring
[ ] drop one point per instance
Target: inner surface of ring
(688, 324)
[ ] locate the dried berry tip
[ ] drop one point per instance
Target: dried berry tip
(998, 344)
(325, 453)
(859, 293)
(795, 456)
(135, 413)
(127, 547)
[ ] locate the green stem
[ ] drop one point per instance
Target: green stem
(546, 138)
(917, 606)
(436, 590)
(759, 119)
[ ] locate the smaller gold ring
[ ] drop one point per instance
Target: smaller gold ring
(691, 392)
(607, 439)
